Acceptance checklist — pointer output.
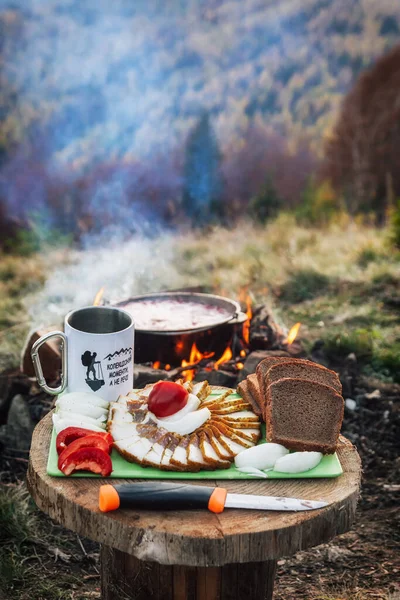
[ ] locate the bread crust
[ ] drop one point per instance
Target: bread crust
(244, 391)
(334, 380)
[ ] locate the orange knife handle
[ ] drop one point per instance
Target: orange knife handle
(217, 500)
(161, 496)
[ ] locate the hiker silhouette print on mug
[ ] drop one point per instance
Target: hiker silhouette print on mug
(98, 346)
(92, 365)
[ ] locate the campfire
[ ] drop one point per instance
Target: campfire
(222, 354)
(259, 331)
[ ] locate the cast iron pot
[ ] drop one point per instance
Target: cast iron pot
(171, 347)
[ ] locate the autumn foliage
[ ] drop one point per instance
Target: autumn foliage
(363, 153)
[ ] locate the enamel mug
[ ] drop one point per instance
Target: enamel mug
(97, 348)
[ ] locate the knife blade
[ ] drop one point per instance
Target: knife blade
(175, 496)
(271, 502)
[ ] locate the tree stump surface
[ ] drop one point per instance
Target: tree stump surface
(199, 538)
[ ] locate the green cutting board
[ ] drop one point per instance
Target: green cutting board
(122, 469)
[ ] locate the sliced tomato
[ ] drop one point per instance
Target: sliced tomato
(94, 460)
(70, 434)
(166, 398)
(88, 441)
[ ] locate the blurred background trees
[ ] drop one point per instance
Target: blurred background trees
(290, 125)
(202, 185)
(362, 156)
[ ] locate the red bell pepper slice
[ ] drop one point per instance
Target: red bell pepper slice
(88, 441)
(70, 434)
(87, 459)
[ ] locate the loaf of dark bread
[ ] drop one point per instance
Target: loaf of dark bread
(304, 415)
(244, 391)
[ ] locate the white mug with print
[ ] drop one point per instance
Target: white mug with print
(97, 353)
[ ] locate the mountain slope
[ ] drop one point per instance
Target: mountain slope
(103, 79)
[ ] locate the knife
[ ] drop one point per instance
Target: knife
(174, 496)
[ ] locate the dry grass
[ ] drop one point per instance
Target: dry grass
(266, 257)
(334, 279)
(20, 277)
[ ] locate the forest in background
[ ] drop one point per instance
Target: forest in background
(116, 118)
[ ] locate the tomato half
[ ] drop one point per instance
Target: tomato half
(166, 398)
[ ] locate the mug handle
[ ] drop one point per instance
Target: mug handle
(38, 367)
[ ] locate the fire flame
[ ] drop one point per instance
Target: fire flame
(98, 297)
(227, 355)
(245, 298)
(179, 346)
(292, 334)
(194, 358)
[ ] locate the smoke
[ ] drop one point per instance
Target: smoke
(120, 83)
(124, 269)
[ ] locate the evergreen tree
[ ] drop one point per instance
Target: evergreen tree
(202, 177)
(265, 205)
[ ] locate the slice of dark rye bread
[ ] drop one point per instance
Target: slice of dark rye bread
(262, 368)
(254, 389)
(261, 371)
(302, 369)
(304, 415)
(244, 391)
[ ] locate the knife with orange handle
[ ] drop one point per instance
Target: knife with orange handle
(174, 496)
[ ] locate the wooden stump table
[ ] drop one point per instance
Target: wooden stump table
(195, 554)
